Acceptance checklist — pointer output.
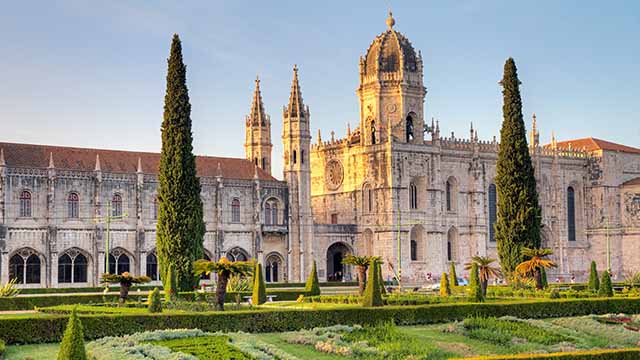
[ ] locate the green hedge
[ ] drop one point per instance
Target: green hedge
(617, 354)
(40, 329)
(2, 348)
(113, 288)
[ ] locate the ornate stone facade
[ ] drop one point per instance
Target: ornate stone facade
(392, 187)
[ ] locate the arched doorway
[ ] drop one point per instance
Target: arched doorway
(336, 271)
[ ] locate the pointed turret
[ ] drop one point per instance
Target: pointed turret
(258, 132)
(51, 164)
(534, 138)
(296, 106)
(97, 168)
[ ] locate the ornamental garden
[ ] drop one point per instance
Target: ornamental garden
(241, 317)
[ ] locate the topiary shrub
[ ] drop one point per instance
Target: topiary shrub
(155, 305)
(453, 278)
(445, 289)
(606, 288)
(383, 291)
(475, 289)
(543, 276)
(313, 285)
(72, 345)
(372, 295)
(594, 282)
(259, 295)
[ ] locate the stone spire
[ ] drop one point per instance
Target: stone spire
(534, 137)
(51, 164)
(97, 168)
(257, 115)
(319, 138)
(296, 106)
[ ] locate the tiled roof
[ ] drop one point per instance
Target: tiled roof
(84, 159)
(591, 144)
(635, 181)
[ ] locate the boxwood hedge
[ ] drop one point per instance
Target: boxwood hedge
(40, 329)
(617, 354)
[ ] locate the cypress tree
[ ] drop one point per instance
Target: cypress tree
(372, 294)
(518, 221)
(453, 278)
(259, 295)
(475, 289)
(594, 282)
(180, 228)
(606, 288)
(155, 305)
(313, 285)
(445, 289)
(72, 346)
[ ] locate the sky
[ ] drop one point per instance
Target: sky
(92, 74)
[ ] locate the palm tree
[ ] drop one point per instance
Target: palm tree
(535, 264)
(225, 269)
(485, 269)
(125, 280)
(362, 264)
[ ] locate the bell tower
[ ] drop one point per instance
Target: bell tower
(391, 90)
(257, 145)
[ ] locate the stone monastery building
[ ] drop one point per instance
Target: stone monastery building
(394, 179)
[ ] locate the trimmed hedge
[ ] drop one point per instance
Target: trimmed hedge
(617, 354)
(41, 329)
(2, 348)
(95, 289)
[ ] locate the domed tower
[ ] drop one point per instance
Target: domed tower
(391, 90)
(257, 145)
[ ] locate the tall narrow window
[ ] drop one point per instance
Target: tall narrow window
(80, 269)
(267, 214)
(492, 212)
(32, 275)
(16, 268)
(73, 206)
(295, 157)
(301, 156)
(65, 267)
(152, 266)
(155, 208)
(571, 214)
(413, 196)
(414, 250)
(274, 213)
(264, 163)
(450, 194)
(452, 240)
(25, 204)
(116, 205)
(235, 211)
(409, 128)
(373, 133)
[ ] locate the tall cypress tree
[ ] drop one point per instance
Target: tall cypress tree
(518, 221)
(180, 229)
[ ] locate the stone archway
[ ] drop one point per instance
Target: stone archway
(336, 271)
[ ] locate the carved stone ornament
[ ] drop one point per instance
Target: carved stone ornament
(391, 108)
(632, 205)
(334, 174)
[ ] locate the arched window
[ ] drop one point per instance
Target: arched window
(72, 267)
(450, 194)
(571, 214)
(409, 128)
(493, 214)
(237, 254)
(452, 237)
(119, 262)
(25, 204)
(274, 213)
(116, 205)
(373, 133)
(367, 198)
(413, 196)
(235, 210)
(414, 250)
(73, 205)
(267, 213)
(264, 163)
(25, 267)
(272, 269)
(152, 266)
(301, 156)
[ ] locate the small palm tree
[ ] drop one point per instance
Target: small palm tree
(485, 269)
(224, 268)
(362, 264)
(125, 280)
(535, 264)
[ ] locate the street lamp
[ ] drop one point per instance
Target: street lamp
(107, 220)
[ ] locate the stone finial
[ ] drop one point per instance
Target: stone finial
(2, 162)
(390, 21)
(333, 136)
(139, 169)
(319, 137)
(97, 168)
(348, 129)
(51, 164)
(471, 131)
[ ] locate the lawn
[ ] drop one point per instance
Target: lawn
(32, 352)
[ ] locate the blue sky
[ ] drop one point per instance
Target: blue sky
(92, 74)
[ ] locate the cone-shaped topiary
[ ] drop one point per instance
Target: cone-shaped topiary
(180, 228)
(72, 346)
(445, 289)
(372, 295)
(313, 285)
(606, 288)
(259, 295)
(453, 278)
(594, 282)
(383, 291)
(518, 220)
(475, 289)
(155, 305)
